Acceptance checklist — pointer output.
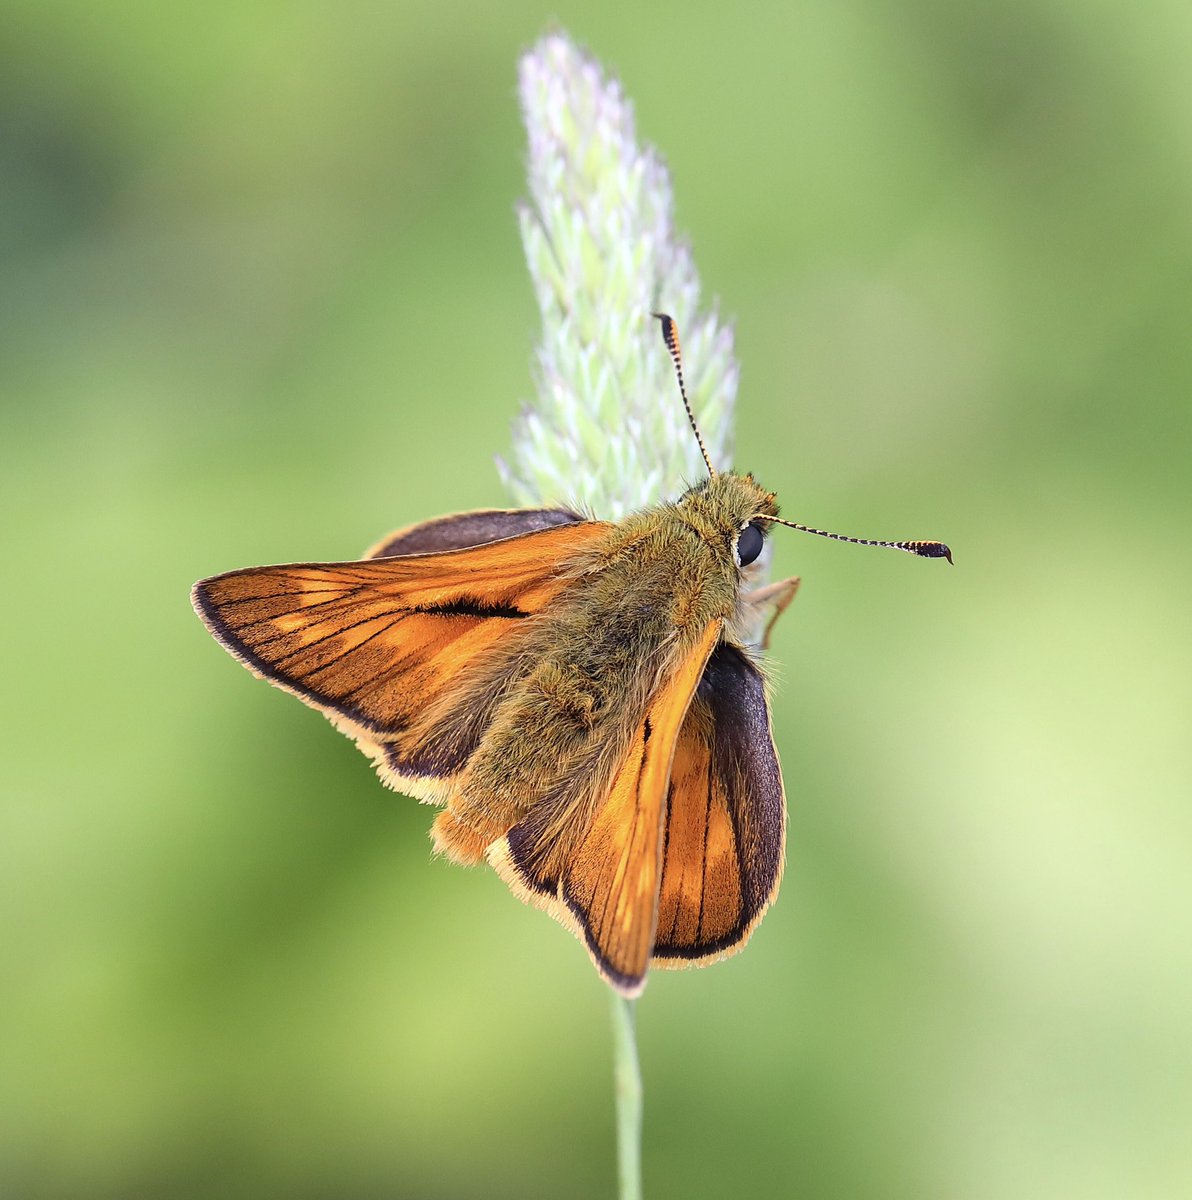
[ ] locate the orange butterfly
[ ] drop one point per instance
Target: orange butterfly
(573, 692)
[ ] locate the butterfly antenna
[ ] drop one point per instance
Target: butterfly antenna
(922, 549)
(670, 335)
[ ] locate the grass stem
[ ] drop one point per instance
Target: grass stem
(627, 1079)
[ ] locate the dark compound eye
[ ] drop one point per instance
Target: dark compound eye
(749, 545)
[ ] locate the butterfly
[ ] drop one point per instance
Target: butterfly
(576, 694)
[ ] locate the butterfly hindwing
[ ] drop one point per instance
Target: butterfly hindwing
(461, 530)
(725, 818)
(595, 863)
(378, 644)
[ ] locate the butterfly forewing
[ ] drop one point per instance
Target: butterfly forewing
(596, 865)
(725, 817)
(378, 644)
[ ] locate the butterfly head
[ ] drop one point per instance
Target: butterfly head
(737, 507)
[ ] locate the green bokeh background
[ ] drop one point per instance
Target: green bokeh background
(262, 298)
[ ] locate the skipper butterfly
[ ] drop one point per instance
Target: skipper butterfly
(576, 695)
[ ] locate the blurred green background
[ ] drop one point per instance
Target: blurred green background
(239, 245)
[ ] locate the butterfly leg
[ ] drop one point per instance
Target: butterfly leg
(778, 594)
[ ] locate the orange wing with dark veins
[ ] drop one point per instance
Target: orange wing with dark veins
(725, 818)
(376, 644)
(594, 862)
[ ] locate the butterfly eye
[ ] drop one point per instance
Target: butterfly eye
(749, 545)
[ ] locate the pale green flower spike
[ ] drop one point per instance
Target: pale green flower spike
(607, 432)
